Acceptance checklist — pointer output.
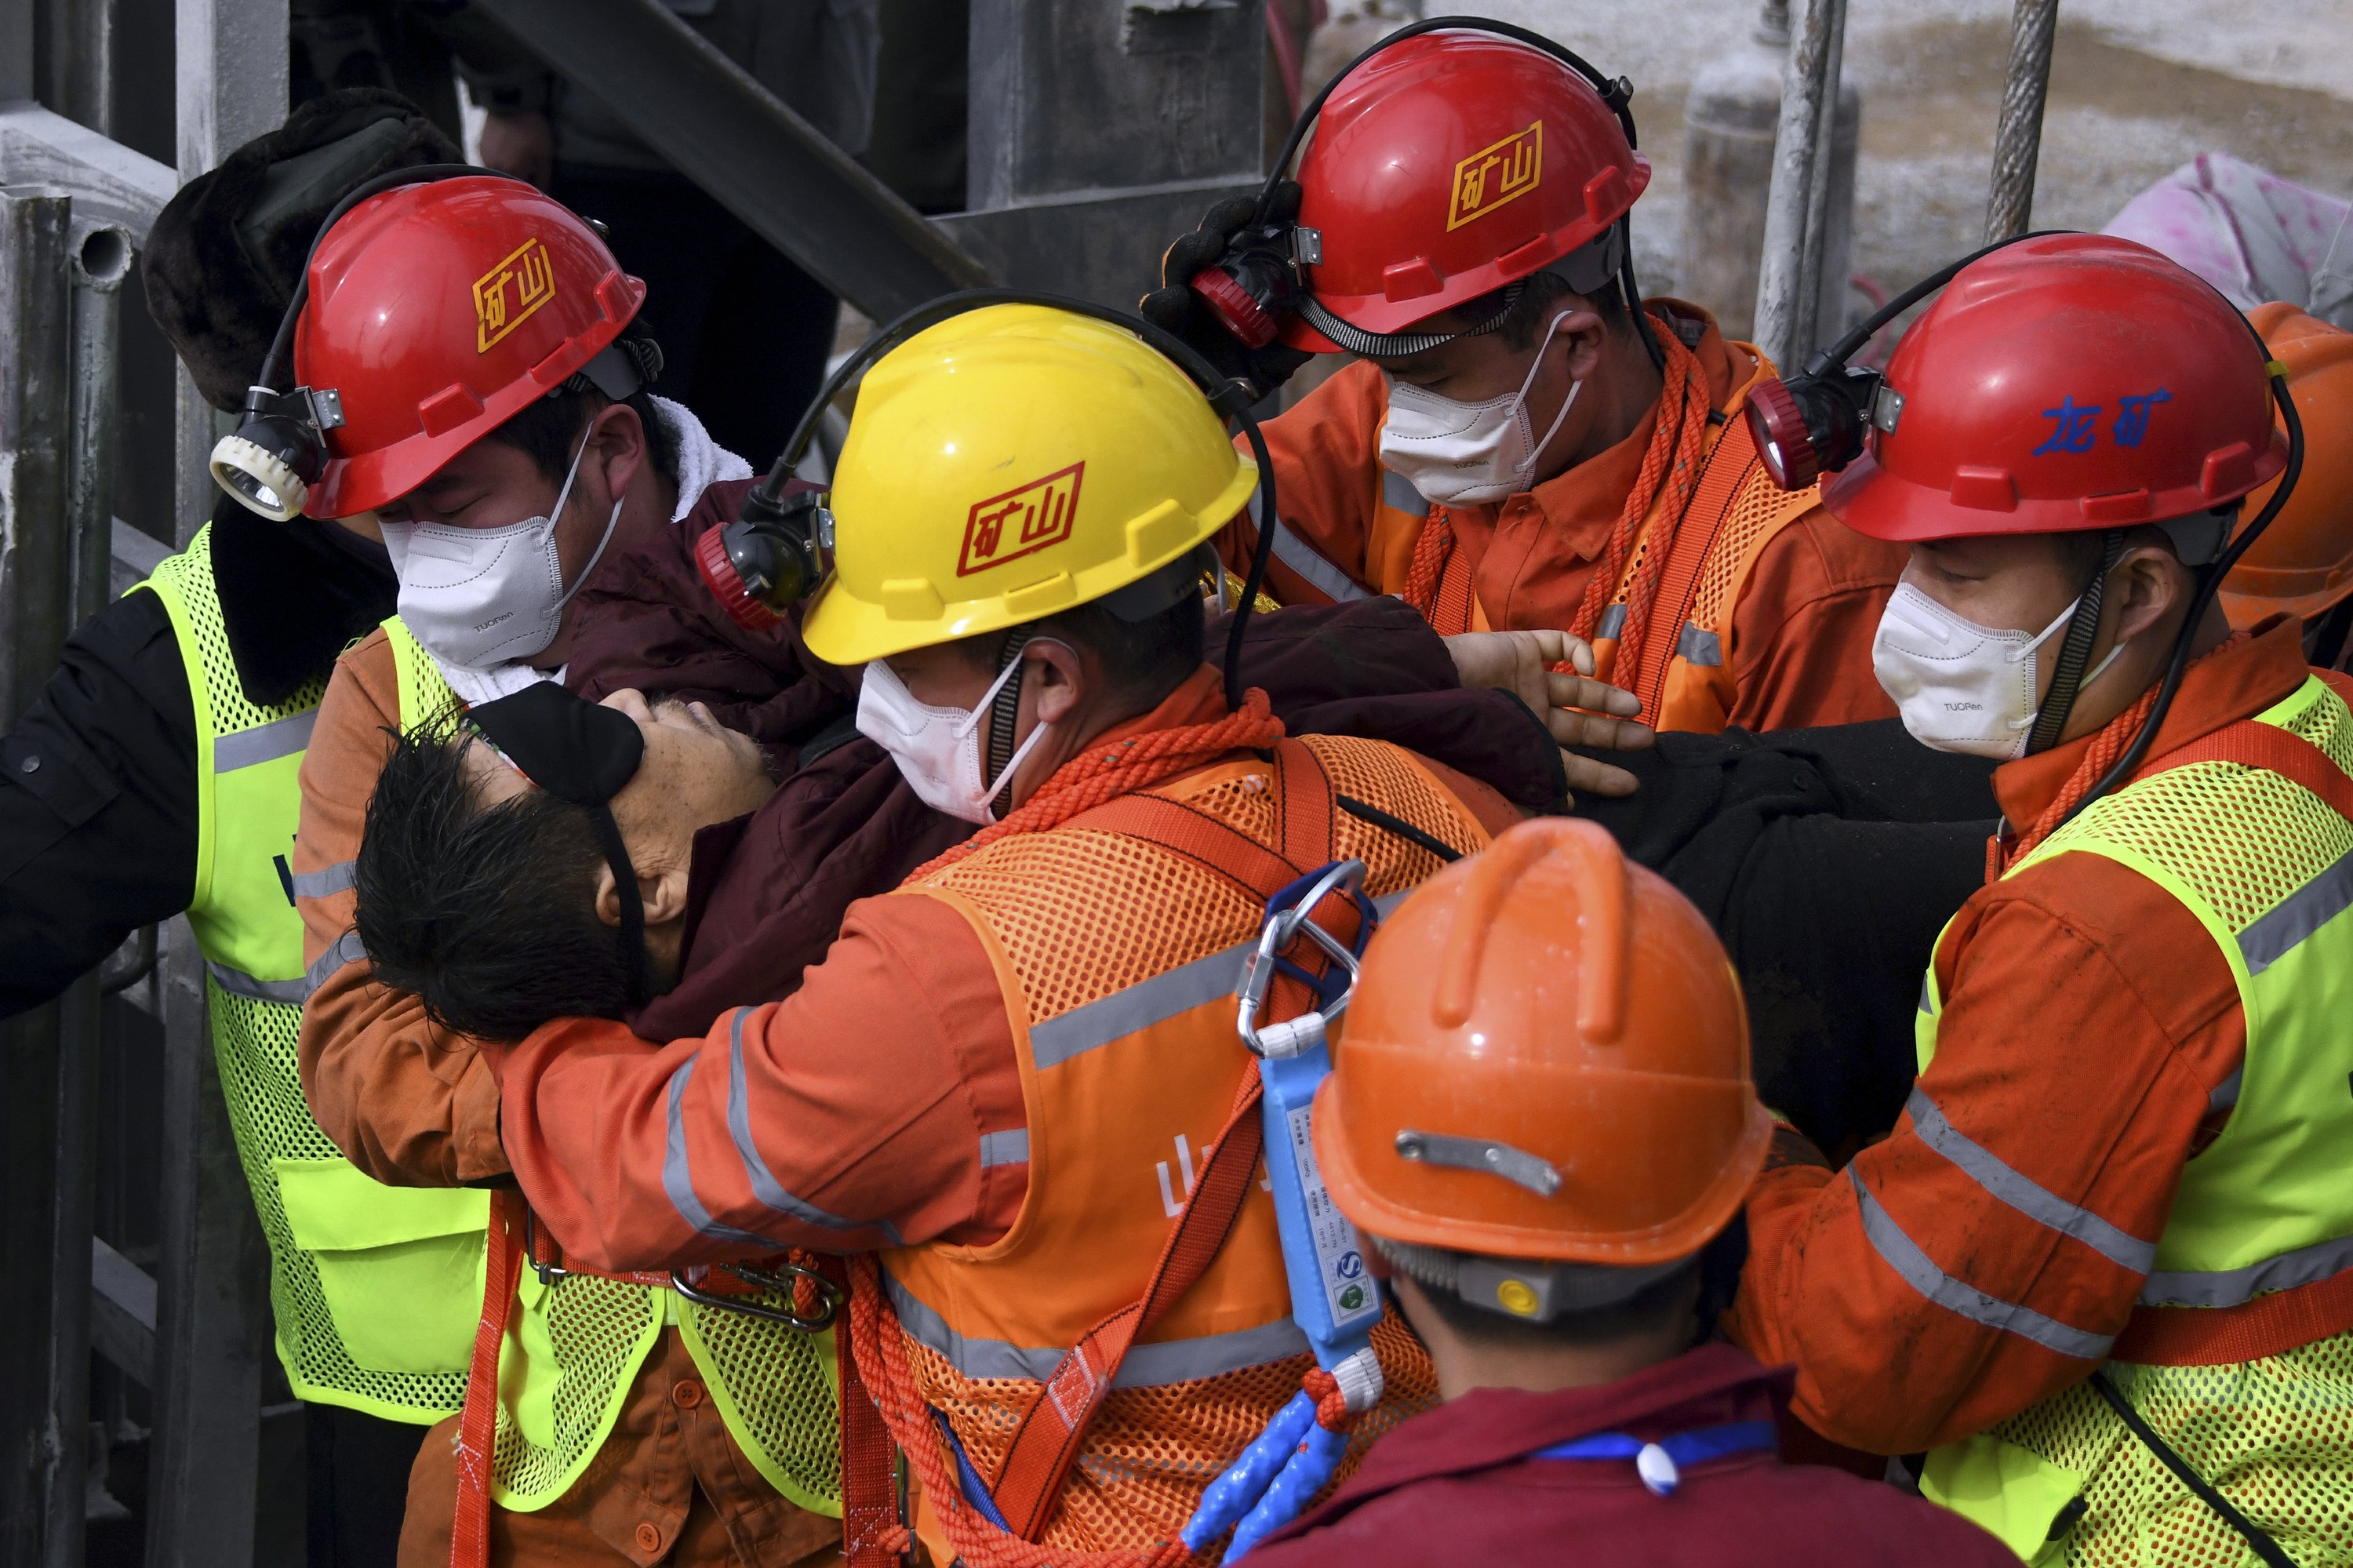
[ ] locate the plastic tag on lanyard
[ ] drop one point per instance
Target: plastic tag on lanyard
(1334, 1300)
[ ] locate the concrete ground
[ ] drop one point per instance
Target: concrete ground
(2138, 87)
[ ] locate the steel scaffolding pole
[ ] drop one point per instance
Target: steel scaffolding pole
(1796, 210)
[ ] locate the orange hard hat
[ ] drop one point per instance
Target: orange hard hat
(1546, 1058)
(438, 313)
(2303, 563)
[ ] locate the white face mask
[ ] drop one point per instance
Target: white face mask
(484, 597)
(1466, 453)
(938, 749)
(1961, 687)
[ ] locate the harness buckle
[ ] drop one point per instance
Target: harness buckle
(1288, 918)
(781, 1281)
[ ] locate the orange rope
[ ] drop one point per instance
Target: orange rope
(1431, 547)
(1675, 458)
(882, 1366)
(1122, 767)
(2107, 746)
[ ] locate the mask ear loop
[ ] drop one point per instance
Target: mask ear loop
(611, 523)
(2075, 650)
(1566, 403)
(1005, 706)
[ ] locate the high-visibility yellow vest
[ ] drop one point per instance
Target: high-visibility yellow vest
(2264, 864)
(574, 1343)
(374, 1289)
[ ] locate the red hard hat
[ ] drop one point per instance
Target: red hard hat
(438, 313)
(1548, 1057)
(1447, 166)
(2062, 383)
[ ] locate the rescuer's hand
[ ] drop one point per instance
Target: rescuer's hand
(522, 142)
(1578, 709)
(1173, 306)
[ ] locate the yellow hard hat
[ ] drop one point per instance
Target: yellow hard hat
(1008, 463)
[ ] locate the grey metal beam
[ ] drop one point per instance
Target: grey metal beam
(122, 1312)
(110, 184)
(212, 1306)
(755, 157)
(230, 81)
(34, 588)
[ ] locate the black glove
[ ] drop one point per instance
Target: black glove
(1174, 307)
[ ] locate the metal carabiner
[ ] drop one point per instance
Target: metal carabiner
(832, 1295)
(1283, 925)
(548, 1273)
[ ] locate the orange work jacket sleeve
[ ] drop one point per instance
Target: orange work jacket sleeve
(406, 1101)
(1802, 631)
(878, 1104)
(1986, 1254)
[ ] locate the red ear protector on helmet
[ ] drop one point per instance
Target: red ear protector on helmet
(1262, 277)
(780, 548)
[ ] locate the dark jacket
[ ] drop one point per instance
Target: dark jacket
(1456, 1486)
(766, 892)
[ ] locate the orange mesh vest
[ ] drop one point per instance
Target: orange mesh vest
(1119, 959)
(1685, 680)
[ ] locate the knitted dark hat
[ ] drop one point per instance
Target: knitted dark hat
(225, 253)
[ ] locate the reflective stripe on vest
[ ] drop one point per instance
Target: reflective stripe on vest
(374, 1289)
(2263, 1208)
(1129, 1062)
(574, 1346)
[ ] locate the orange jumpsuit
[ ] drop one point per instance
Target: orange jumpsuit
(1805, 610)
(2089, 1031)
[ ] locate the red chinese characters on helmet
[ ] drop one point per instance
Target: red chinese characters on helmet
(438, 312)
(2063, 383)
(1447, 166)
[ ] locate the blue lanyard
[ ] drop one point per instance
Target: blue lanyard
(1659, 1465)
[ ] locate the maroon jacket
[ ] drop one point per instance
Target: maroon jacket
(1455, 1485)
(766, 892)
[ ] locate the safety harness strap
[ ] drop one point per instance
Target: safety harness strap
(478, 1419)
(874, 1533)
(1046, 1444)
(1695, 535)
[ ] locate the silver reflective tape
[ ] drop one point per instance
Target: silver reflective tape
(2037, 1203)
(1300, 555)
(1919, 1271)
(1009, 1147)
(1139, 1006)
(2298, 915)
(678, 1173)
(236, 982)
(762, 1181)
(1697, 645)
(2226, 1093)
(2230, 1287)
(1155, 1001)
(264, 743)
(1927, 1003)
(1146, 1366)
(324, 882)
(347, 949)
(1398, 495)
(1612, 622)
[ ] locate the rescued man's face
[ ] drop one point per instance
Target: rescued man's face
(696, 773)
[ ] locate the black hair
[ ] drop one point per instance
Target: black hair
(1531, 307)
(486, 913)
(549, 429)
(1715, 1267)
(1142, 661)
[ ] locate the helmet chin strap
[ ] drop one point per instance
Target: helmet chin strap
(1004, 714)
(2075, 649)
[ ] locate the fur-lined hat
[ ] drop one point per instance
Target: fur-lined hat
(225, 253)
